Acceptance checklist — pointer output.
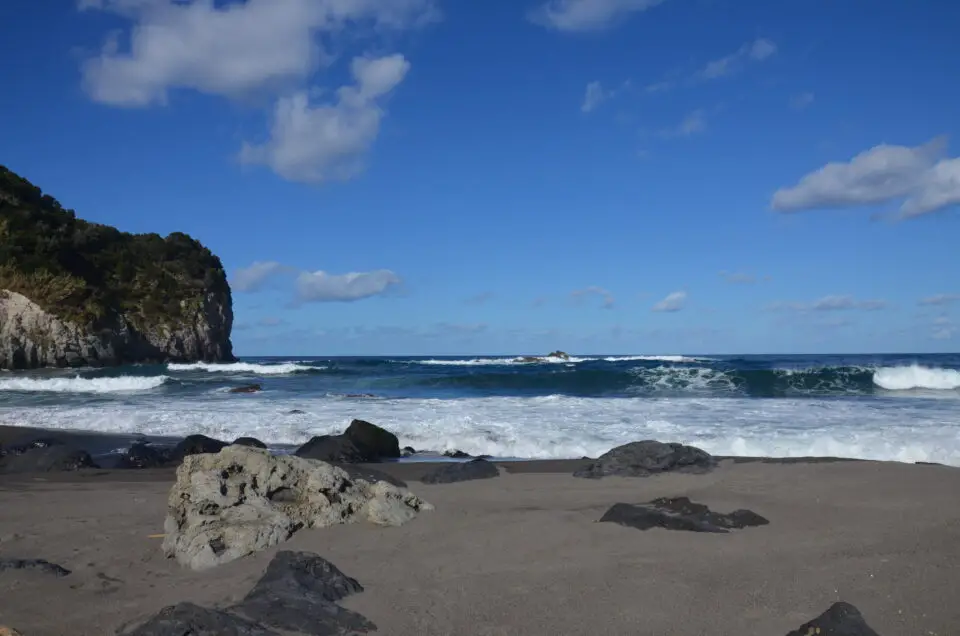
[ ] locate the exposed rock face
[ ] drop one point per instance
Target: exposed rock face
(227, 505)
(31, 337)
(680, 514)
(361, 442)
(187, 619)
(841, 619)
(43, 455)
(642, 459)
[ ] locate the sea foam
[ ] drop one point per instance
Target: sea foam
(283, 368)
(121, 384)
(916, 377)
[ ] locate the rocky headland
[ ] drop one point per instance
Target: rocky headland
(75, 293)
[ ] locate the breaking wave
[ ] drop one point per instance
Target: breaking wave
(917, 377)
(120, 384)
(283, 368)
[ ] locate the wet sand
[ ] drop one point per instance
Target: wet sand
(523, 553)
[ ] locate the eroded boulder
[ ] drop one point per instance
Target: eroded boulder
(649, 457)
(241, 500)
(449, 473)
(841, 619)
(373, 441)
(679, 513)
(187, 619)
(43, 456)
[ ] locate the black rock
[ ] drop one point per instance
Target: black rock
(371, 475)
(842, 619)
(457, 454)
(40, 456)
(407, 451)
(195, 445)
(298, 593)
(143, 455)
(187, 619)
(39, 565)
(331, 448)
(680, 513)
(249, 441)
(642, 459)
(374, 442)
(247, 388)
(295, 412)
(449, 473)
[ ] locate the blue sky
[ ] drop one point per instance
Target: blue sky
(443, 177)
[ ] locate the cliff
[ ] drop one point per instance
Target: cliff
(74, 293)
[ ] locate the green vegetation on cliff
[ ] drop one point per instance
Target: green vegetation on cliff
(89, 273)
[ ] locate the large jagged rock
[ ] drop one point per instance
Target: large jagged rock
(241, 500)
(649, 457)
(187, 619)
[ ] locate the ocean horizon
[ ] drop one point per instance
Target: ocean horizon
(899, 407)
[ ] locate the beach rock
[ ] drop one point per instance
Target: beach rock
(37, 565)
(461, 471)
(195, 445)
(407, 451)
(247, 388)
(295, 412)
(143, 455)
(9, 631)
(298, 593)
(456, 454)
(187, 619)
(371, 475)
(44, 459)
(331, 448)
(679, 513)
(253, 442)
(649, 457)
(372, 441)
(841, 619)
(241, 500)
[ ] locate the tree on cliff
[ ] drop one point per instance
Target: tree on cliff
(90, 274)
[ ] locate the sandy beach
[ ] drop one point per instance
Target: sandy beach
(523, 553)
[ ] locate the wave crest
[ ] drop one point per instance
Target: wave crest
(121, 384)
(283, 368)
(916, 377)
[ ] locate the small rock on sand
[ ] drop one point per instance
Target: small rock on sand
(649, 457)
(841, 619)
(461, 471)
(680, 513)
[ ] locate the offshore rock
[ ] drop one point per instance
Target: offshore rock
(241, 500)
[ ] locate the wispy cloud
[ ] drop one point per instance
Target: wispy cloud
(604, 294)
(920, 176)
(254, 277)
(586, 15)
(320, 286)
(752, 52)
(596, 94)
(694, 123)
(674, 301)
(801, 101)
(739, 278)
(830, 303)
(939, 299)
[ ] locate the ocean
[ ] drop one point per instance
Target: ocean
(886, 407)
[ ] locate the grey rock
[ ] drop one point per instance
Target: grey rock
(649, 457)
(187, 619)
(679, 513)
(43, 456)
(298, 593)
(241, 500)
(449, 473)
(38, 565)
(841, 619)
(370, 474)
(331, 448)
(30, 337)
(249, 441)
(374, 442)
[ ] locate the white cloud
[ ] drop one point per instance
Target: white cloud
(604, 294)
(229, 50)
(248, 279)
(801, 101)
(672, 302)
(692, 124)
(594, 96)
(940, 299)
(831, 303)
(755, 51)
(323, 287)
(919, 175)
(587, 15)
(326, 142)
